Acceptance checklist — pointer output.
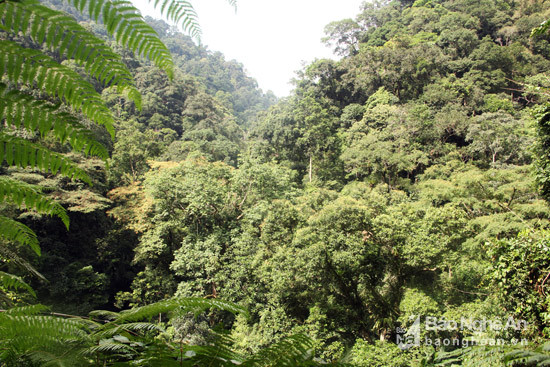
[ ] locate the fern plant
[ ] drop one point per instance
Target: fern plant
(34, 40)
(492, 356)
(27, 72)
(30, 336)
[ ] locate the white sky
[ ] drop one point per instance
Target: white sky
(271, 38)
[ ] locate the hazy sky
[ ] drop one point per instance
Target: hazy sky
(271, 38)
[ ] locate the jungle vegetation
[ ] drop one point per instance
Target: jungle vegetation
(214, 224)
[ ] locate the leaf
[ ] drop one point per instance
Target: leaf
(291, 351)
(14, 282)
(42, 71)
(20, 110)
(60, 32)
(22, 194)
(20, 152)
(124, 22)
(12, 230)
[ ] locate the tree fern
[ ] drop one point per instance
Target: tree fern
(129, 335)
(295, 350)
(20, 152)
(62, 34)
(523, 357)
(494, 356)
(10, 281)
(27, 335)
(23, 194)
(112, 330)
(21, 111)
(31, 67)
(7, 254)
(180, 12)
(195, 305)
(12, 230)
(124, 22)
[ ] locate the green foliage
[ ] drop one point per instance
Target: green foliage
(391, 184)
(22, 111)
(123, 21)
(20, 233)
(12, 282)
(61, 33)
(382, 354)
(109, 338)
(520, 275)
(27, 66)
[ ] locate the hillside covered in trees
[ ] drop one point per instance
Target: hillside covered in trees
(406, 182)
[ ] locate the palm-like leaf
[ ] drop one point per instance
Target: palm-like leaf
(22, 153)
(538, 357)
(62, 33)
(195, 305)
(124, 22)
(295, 350)
(34, 68)
(180, 12)
(26, 310)
(12, 230)
(21, 111)
(49, 340)
(7, 254)
(20, 193)
(10, 281)
(139, 327)
(26, 335)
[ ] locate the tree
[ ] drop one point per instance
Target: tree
(343, 36)
(41, 96)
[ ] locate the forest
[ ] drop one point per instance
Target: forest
(157, 208)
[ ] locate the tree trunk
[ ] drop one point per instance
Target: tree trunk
(310, 167)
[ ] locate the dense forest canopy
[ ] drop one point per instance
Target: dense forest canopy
(407, 180)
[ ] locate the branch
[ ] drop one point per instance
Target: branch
(473, 293)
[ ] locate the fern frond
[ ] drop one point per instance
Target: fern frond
(109, 347)
(190, 304)
(12, 230)
(27, 310)
(62, 33)
(14, 258)
(32, 67)
(125, 328)
(124, 22)
(20, 110)
(63, 359)
(20, 193)
(22, 336)
(212, 355)
(22, 153)
(10, 281)
(28, 325)
(103, 314)
(291, 351)
(538, 357)
(180, 12)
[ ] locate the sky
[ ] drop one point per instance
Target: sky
(271, 38)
